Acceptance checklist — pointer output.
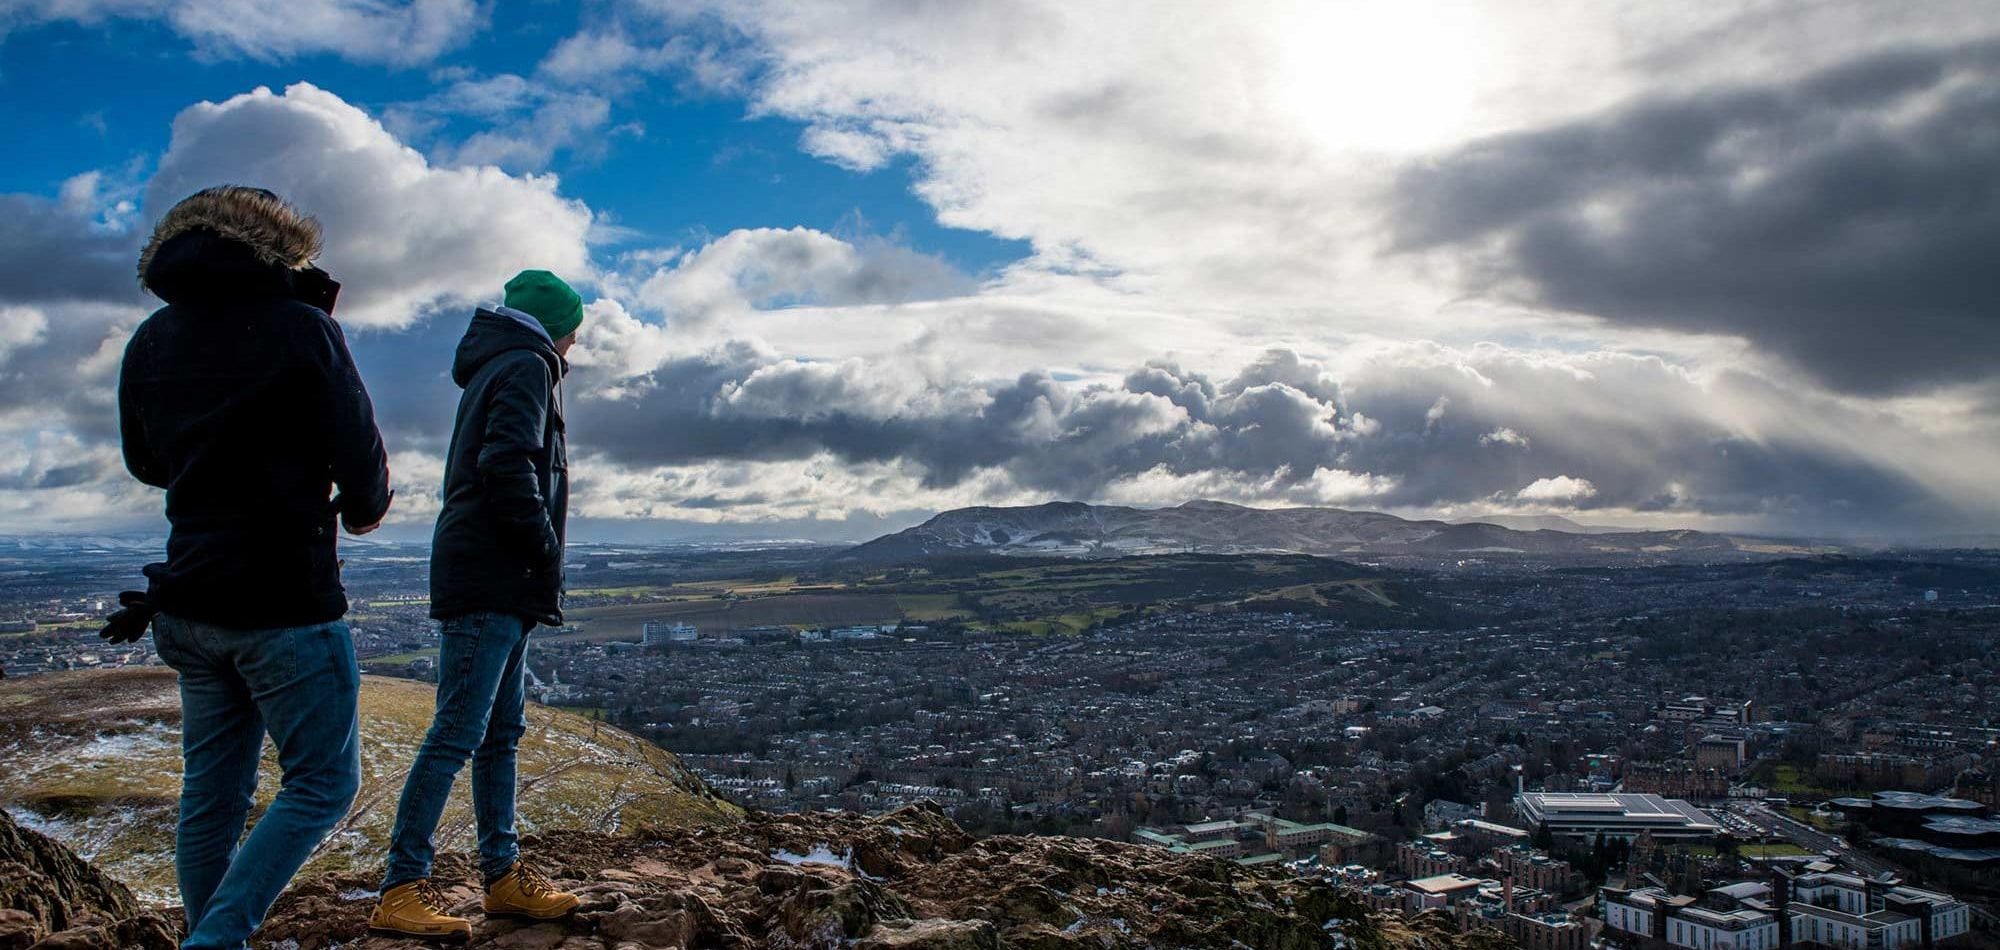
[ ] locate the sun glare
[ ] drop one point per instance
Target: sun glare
(1390, 77)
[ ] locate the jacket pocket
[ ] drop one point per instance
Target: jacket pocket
(323, 559)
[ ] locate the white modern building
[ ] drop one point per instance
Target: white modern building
(1585, 815)
(657, 632)
(1848, 911)
(1826, 908)
(1721, 921)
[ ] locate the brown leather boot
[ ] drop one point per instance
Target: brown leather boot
(417, 909)
(523, 892)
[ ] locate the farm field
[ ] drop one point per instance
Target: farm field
(1046, 598)
(716, 614)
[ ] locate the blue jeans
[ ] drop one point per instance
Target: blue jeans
(481, 715)
(298, 684)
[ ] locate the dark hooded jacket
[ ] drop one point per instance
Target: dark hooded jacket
(499, 539)
(245, 405)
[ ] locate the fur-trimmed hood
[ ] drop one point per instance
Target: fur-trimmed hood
(277, 234)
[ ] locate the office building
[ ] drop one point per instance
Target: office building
(657, 632)
(1584, 815)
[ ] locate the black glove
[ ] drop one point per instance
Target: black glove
(129, 623)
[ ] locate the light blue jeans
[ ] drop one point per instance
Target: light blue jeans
(481, 715)
(298, 684)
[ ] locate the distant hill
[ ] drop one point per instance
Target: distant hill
(1073, 529)
(1541, 523)
(93, 760)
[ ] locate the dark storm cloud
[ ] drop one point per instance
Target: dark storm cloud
(1848, 222)
(68, 375)
(1048, 434)
(49, 253)
(408, 374)
(1263, 431)
(1579, 425)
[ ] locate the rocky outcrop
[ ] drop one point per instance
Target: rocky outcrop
(909, 880)
(50, 899)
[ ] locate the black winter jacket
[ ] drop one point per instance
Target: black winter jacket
(499, 539)
(245, 405)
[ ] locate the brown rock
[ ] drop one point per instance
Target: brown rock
(909, 880)
(150, 931)
(49, 883)
(536, 937)
(661, 920)
(18, 929)
(830, 917)
(932, 934)
(1045, 937)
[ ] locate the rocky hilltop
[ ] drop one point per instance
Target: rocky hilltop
(1072, 529)
(50, 899)
(910, 879)
(93, 760)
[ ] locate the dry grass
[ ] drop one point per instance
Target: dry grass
(94, 758)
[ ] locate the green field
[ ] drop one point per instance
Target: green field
(1776, 849)
(925, 607)
(1792, 780)
(1039, 597)
(710, 613)
(1805, 815)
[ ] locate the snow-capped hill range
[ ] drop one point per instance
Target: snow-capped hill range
(1074, 529)
(1542, 523)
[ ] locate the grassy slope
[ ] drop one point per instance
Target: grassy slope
(94, 759)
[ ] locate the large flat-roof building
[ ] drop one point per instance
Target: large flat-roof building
(1615, 815)
(1258, 838)
(657, 632)
(1440, 890)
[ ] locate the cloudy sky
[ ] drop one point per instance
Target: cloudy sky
(1721, 265)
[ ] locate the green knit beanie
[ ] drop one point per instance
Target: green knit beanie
(545, 297)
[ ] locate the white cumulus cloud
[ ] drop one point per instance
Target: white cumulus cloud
(401, 233)
(1557, 488)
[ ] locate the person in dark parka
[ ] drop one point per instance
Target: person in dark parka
(239, 397)
(496, 572)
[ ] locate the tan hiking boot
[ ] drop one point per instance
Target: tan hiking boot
(524, 892)
(417, 909)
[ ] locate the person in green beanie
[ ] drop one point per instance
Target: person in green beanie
(496, 572)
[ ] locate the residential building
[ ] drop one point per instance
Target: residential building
(1848, 911)
(1722, 753)
(1421, 858)
(1533, 868)
(1822, 907)
(1733, 918)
